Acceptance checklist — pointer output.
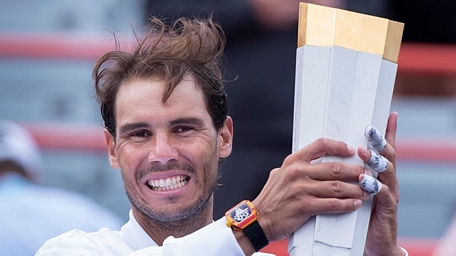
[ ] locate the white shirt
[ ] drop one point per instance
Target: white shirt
(214, 239)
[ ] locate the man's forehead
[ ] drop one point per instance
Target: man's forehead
(159, 85)
(141, 96)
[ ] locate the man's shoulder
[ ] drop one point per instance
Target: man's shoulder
(76, 234)
(104, 241)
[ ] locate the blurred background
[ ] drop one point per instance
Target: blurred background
(48, 49)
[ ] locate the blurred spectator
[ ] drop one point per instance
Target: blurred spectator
(31, 213)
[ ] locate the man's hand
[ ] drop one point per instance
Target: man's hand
(298, 189)
(382, 233)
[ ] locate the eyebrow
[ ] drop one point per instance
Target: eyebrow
(185, 120)
(188, 120)
(128, 127)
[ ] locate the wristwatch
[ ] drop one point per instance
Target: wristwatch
(244, 217)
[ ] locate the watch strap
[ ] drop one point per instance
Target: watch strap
(256, 235)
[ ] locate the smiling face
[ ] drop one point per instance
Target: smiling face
(168, 152)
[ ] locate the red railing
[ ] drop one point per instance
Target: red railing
(436, 59)
(413, 57)
(54, 45)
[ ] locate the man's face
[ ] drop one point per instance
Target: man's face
(167, 152)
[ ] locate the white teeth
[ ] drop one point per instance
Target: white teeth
(168, 184)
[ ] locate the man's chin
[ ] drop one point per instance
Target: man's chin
(175, 211)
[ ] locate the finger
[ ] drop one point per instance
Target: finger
(334, 171)
(375, 138)
(390, 135)
(370, 184)
(388, 176)
(377, 162)
(385, 145)
(386, 199)
(391, 129)
(333, 205)
(336, 189)
(374, 160)
(322, 147)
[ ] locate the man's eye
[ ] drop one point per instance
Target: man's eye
(183, 129)
(140, 134)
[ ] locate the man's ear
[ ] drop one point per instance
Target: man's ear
(226, 134)
(111, 144)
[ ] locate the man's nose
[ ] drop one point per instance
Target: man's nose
(162, 150)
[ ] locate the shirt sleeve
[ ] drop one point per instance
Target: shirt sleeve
(214, 239)
(77, 242)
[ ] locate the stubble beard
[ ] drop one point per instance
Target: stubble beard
(195, 213)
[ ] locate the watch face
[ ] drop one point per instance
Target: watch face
(241, 212)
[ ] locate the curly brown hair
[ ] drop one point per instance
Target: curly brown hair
(187, 46)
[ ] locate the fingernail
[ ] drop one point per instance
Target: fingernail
(377, 162)
(357, 203)
(370, 184)
(364, 151)
(375, 138)
(351, 149)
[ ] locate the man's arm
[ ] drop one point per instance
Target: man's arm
(214, 239)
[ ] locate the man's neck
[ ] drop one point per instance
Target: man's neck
(159, 231)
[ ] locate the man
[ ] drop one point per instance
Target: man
(167, 128)
(32, 213)
(261, 50)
